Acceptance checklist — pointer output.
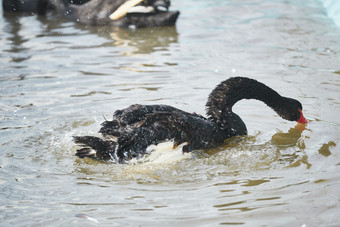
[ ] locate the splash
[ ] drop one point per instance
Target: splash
(163, 153)
(164, 163)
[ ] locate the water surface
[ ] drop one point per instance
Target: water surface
(60, 79)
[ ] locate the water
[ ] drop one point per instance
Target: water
(60, 79)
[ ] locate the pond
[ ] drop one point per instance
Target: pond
(60, 79)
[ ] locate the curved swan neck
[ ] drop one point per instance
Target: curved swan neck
(226, 94)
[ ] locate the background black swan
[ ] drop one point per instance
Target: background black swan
(129, 13)
(135, 128)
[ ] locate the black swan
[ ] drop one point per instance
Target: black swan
(135, 128)
(115, 13)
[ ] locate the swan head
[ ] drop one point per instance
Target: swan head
(291, 110)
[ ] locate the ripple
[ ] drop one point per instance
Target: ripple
(92, 93)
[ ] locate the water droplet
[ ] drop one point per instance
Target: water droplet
(132, 27)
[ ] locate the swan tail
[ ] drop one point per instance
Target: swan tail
(96, 148)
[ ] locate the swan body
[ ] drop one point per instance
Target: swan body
(134, 129)
(114, 13)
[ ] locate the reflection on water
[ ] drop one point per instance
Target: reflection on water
(140, 41)
(60, 79)
(291, 138)
(145, 41)
(324, 150)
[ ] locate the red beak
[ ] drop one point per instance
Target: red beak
(302, 119)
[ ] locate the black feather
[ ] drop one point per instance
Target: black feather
(135, 128)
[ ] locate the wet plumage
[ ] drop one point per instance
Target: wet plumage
(134, 129)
